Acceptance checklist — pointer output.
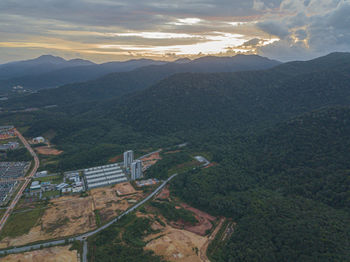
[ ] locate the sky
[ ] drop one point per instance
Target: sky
(114, 30)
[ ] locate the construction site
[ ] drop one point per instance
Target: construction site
(178, 240)
(71, 215)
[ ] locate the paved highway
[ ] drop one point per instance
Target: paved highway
(85, 251)
(25, 184)
(84, 236)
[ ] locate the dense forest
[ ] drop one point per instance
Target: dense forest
(288, 189)
(280, 139)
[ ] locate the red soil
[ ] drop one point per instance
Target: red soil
(164, 194)
(201, 227)
(115, 159)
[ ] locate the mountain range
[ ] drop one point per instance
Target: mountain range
(116, 84)
(49, 71)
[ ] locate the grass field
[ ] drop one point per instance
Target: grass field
(54, 179)
(20, 223)
(51, 193)
(2, 212)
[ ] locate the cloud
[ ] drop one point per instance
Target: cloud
(312, 31)
(274, 28)
(304, 28)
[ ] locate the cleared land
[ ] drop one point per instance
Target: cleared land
(178, 240)
(204, 221)
(124, 189)
(175, 244)
(52, 254)
(70, 215)
(164, 194)
(116, 159)
(109, 204)
(63, 217)
(150, 160)
(46, 150)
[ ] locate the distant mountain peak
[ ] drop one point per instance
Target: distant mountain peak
(182, 60)
(48, 59)
(80, 61)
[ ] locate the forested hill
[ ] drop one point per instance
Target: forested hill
(234, 100)
(117, 84)
(279, 139)
(288, 189)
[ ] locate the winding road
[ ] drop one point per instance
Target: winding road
(26, 182)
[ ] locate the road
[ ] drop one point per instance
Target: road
(85, 250)
(25, 184)
(84, 236)
(204, 248)
(147, 155)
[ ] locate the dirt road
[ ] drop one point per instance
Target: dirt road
(203, 250)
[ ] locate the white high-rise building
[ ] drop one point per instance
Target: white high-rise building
(136, 169)
(128, 158)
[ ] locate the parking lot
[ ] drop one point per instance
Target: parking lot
(6, 188)
(13, 170)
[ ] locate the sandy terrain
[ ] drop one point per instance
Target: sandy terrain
(203, 250)
(53, 254)
(65, 216)
(109, 204)
(70, 215)
(175, 244)
(124, 189)
(46, 150)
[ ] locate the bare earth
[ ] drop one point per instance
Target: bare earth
(175, 244)
(109, 204)
(150, 160)
(52, 254)
(70, 215)
(124, 189)
(164, 194)
(204, 219)
(46, 150)
(65, 216)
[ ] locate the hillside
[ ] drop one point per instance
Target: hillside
(118, 84)
(287, 189)
(234, 100)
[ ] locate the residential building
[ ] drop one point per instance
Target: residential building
(136, 169)
(128, 158)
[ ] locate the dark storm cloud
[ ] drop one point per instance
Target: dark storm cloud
(316, 29)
